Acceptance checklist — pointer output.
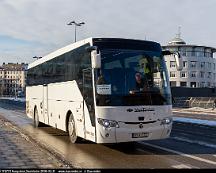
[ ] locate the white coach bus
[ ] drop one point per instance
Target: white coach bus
(106, 90)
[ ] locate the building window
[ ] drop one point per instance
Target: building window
(209, 75)
(207, 54)
(183, 74)
(193, 74)
(172, 74)
(172, 64)
(172, 83)
(193, 84)
(183, 84)
(184, 63)
(183, 53)
(193, 64)
(202, 84)
(200, 54)
(209, 65)
(188, 53)
(202, 64)
(202, 74)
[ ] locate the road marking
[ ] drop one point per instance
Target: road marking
(180, 153)
(195, 142)
(181, 166)
(174, 166)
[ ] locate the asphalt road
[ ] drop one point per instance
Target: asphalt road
(190, 146)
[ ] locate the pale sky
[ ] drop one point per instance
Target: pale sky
(37, 27)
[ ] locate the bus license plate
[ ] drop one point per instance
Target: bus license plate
(140, 135)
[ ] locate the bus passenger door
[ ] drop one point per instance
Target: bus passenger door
(45, 104)
(88, 109)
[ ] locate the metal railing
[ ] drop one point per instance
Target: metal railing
(187, 102)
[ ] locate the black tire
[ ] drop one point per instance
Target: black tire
(72, 130)
(36, 121)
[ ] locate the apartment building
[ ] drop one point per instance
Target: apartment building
(13, 79)
(199, 65)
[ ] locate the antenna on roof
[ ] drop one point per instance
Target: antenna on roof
(178, 35)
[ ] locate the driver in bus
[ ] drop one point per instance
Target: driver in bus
(141, 84)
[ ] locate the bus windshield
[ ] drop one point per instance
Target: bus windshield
(131, 78)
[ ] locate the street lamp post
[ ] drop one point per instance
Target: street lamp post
(76, 24)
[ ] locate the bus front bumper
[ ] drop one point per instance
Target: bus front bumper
(127, 132)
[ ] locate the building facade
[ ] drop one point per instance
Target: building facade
(13, 79)
(199, 65)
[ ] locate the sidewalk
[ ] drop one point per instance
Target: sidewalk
(197, 110)
(17, 151)
(195, 115)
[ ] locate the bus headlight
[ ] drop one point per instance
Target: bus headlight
(108, 123)
(166, 121)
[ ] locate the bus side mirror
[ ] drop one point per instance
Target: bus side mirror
(95, 59)
(91, 48)
(179, 62)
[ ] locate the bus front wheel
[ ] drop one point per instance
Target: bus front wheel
(72, 129)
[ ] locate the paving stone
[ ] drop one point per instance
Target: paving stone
(17, 152)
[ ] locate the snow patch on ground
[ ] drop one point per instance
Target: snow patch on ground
(14, 99)
(195, 121)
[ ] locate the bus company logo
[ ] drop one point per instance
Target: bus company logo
(143, 110)
(140, 110)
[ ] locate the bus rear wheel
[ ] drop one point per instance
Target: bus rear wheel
(72, 130)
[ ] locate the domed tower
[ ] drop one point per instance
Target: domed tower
(177, 40)
(199, 65)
